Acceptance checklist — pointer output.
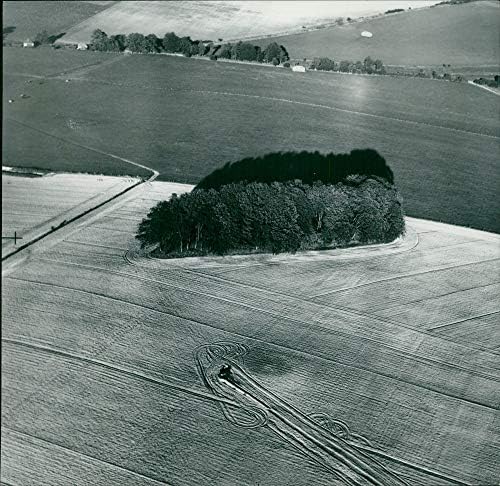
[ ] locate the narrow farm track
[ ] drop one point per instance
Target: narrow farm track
(346, 459)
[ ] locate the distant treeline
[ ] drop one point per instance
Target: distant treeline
(492, 83)
(394, 10)
(276, 217)
(307, 167)
(171, 43)
(368, 66)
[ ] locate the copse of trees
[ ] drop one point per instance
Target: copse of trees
(171, 43)
(276, 217)
(492, 83)
(368, 66)
(308, 167)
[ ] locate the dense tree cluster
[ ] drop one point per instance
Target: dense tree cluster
(276, 217)
(492, 83)
(368, 66)
(308, 167)
(171, 43)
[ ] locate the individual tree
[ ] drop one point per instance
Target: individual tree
(275, 61)
(345, 66)
(247, 52)
(152, 44)
(324, 64)
(99, 40)
(368, 64)
(171, 42)
(379, 66)
(136, 42)
(225, 51)
(117, 42)
(42, 38)
(185, 44)
(202, 48)
(275, 51)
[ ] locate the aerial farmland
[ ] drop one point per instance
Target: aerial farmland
(145, 360)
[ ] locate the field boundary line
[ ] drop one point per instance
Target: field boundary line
(153, 176)
(487, 88)
(78, 453)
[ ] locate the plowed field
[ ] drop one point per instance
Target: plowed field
(374, 365)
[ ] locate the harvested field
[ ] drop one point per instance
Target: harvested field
(460, 35)
(25, 19)
(53, 199)
(330, 351)
(220, 19)
(168, 123)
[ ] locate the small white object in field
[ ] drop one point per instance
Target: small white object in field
(365, 33)
(11, 101)
(67, 80)
(299, 69)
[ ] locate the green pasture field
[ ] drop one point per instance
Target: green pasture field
(459, 35)
(101, 382)
(25, 19)
(186, 117)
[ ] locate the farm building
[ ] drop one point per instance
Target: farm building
(82, 46)
(28, 43)
(299, 69)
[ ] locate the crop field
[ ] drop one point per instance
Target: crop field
(186, 117)
(53, 199)
(219, 19)
(25, 19)
(384, 356)
(460, 35)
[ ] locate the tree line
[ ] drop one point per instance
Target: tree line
(171, 43)
(368, 66)
(308, 167)
(492, 83)
(276, 217)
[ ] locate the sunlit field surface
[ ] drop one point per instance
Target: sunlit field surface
(390, 352)
(223, 19)
(186, 117)
(33, 205)
(459, 35)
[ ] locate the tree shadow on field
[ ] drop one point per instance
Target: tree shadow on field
(309, 167)
(7, 30)
(53, 38)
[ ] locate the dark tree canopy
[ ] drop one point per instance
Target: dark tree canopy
(308, 167)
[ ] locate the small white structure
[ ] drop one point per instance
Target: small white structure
(365, 33)
(28, 43)
(127, 51)
(82, 46)
(299, 69)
